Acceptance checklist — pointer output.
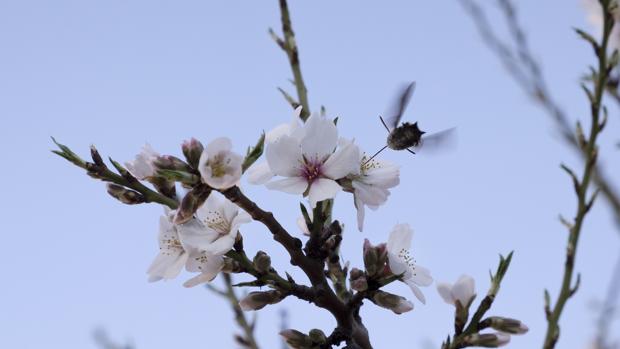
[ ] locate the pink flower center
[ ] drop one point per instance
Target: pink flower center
(312, 169)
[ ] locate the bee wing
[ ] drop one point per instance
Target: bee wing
(438, 141)
(400, 105)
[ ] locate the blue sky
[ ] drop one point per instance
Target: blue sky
(120, 73)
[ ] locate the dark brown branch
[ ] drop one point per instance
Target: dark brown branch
(324, 297)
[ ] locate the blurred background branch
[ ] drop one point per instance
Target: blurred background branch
(515, 55)
(103, 341)
(608, 312)
(246, 339)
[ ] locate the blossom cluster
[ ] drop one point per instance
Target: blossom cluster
(200, 231)
(306, 159)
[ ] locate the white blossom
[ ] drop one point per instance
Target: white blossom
(172, 256)
(260, 172)
(371, 184)
(401, 262)
(311, 161)
(175, 252)
(462, 291)
(219, 166)
(142, 166)
(221, 220)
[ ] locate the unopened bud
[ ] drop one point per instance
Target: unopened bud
(169, 162)
(487, 340)
(374, 258)
(125, 195)
(262, 262)
(382, 253)
(94, 153)
(93, 170)
(192, 149)
(164, 186)
(190, 203)
(258, 300)
(395, 303)
(296, 339)
(317, 336)
(358, 280)
(332, 242)
(231, 266)
(507, 325)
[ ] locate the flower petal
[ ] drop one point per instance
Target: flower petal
(322, 189)
(421, 276)
(218, 145)
(194, 234)
(359, 205)
(284, 156)
(291, 185)
(167, 265)
(400, 238)
(142, 166)
(397, 265)
(320, 138)
(303, 227)
(445, 291)
(343, 162)
(259, 173)
(370, 195)
(223, 244)
(209, 272)
(416, 291)
(464, 289)
(381, 173)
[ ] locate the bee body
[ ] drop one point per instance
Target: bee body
(405, 136)
(408, 136)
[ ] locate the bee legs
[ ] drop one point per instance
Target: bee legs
(411, 151)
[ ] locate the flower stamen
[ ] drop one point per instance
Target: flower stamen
(218, 166)
(311, 169)
(216, 221)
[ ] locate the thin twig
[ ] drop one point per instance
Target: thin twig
(289, 45)
(99, 170)
(524, 69)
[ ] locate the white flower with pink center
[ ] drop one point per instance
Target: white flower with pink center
(260, 173)
(311, 161)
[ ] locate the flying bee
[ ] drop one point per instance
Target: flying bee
(408, 136)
